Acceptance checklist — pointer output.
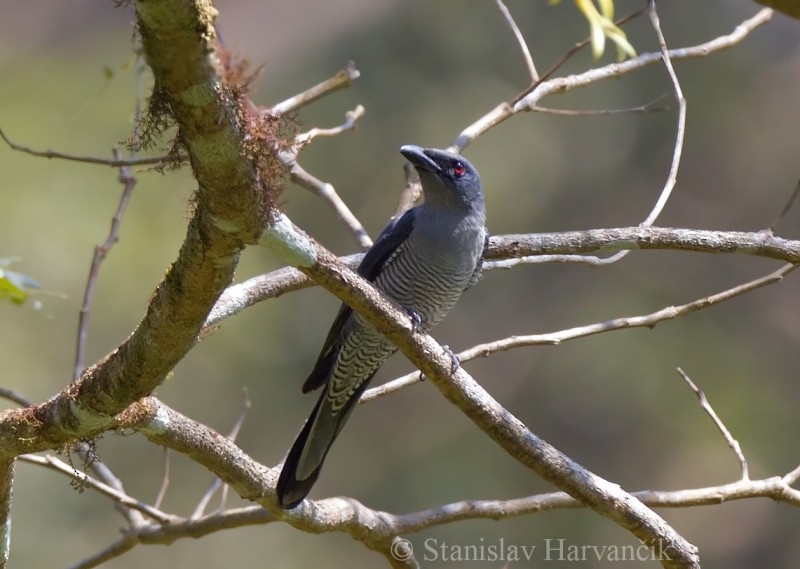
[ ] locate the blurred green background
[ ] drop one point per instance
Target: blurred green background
(429, 68)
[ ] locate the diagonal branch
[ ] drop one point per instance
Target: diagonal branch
(339, 81)
(298, 175)
(100, 251)
(605, 498)
(706, 406)
(118, 496)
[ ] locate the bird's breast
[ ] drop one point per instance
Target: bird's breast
(430, 271)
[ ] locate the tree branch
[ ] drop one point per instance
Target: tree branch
(562, 84)
(118, 496)
(706, 406)
(100, 251)
(530, 248)
(341, 80)
(605, 498)
(556, 338)
(6, 484)
(232, 205)
(116, 162)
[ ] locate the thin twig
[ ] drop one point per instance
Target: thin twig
(15, 396)
(531, 96)
(62, 467)
(681, 131)
(349, 124)
(165, 534)
(88, 455)
(556, 338)
(774, 225)
(339, 81)
(677, 151)
(792, 477)
(116, 162)
(100, 251)
(162, 490)
(116, 549)
(569, 54)
(733, 443)
(615, 70)
(526, 53)
(650, 107)
(509, 250)
(325, 190)
(216, 483)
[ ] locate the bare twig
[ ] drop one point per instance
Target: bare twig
(526, 53)
(556, 338)
(162, 490)
(116, 162)
(328, 193)
(165, 534)
(532, 96)
(15, 396)
(570, 53)
(100, 251)
(103, 473)
(792, 477)
(666, 192)
(733, 443)
(62, 467)
(651, 107)
(339, 81)
(349, 124)
(216, 483)
(562, 84)
(774, 225)
(679, 136)
(116, 549)
(460, 389)
(506, 251)
(325, 190)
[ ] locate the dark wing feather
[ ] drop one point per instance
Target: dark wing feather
(324, 426)
(385, 245)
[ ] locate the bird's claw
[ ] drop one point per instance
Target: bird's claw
(416, 319)
(455, 361)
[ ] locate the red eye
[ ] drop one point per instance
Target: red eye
(458, 169)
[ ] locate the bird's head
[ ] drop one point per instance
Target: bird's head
(446, 178)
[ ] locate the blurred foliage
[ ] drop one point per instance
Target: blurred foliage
(15, 287)
(602, 26)
(428, 69)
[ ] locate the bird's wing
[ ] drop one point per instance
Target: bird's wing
(385, 245)
(478, 274)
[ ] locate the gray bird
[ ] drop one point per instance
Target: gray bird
(424, 259)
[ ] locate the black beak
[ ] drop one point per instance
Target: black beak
(419, 159)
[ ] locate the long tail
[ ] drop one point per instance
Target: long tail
(304, 461)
